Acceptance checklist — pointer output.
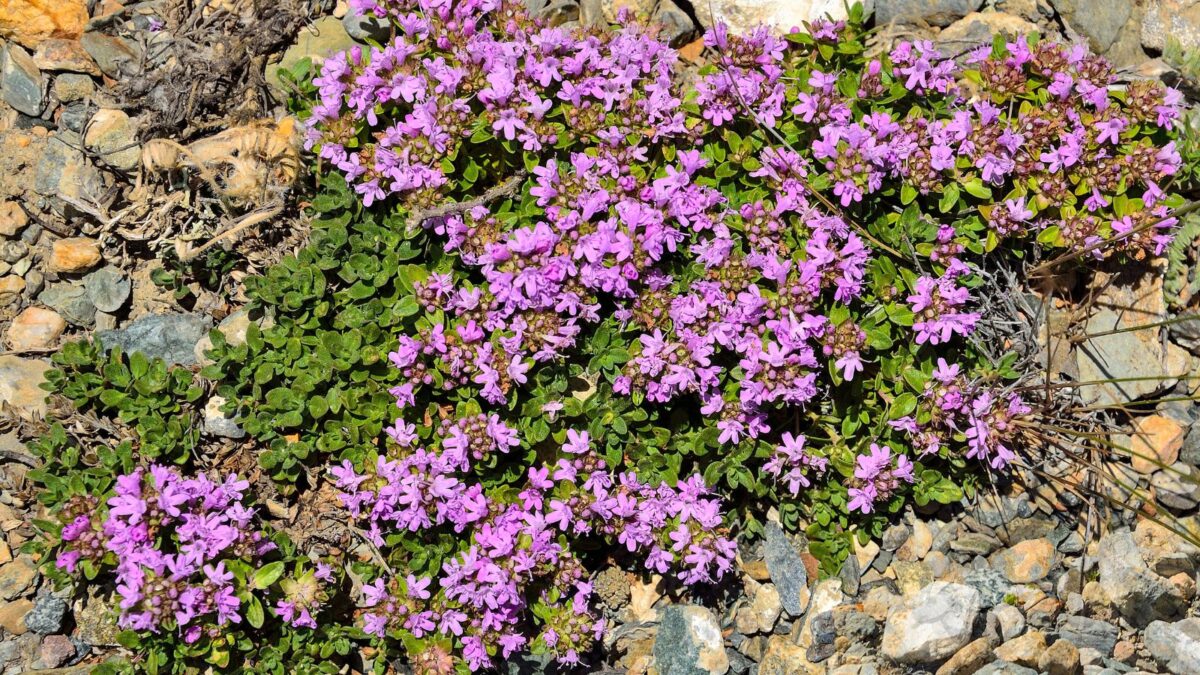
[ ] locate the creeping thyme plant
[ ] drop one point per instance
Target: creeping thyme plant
(623, 311)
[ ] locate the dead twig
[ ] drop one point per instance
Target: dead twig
(506, 189)
(104, 21)
(188, 254)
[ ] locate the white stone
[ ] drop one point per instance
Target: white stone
(931, 625)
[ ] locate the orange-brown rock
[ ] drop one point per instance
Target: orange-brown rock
(57, 54)
(28, 22)
(12, 218)
(75, 254)
(1156, 442)
(35, 328)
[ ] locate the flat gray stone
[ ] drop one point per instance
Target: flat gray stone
(107, 288)
(110, 53)
(1088, 633)
(1100, 21)
(1140, 595)
(786, 569)
(71, 301)
(364, 27)
(171, 337)
(21, 82)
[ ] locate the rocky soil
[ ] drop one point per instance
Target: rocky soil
(143, 141)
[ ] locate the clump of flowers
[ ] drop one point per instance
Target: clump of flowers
(654, 305)
(725, 262)
(170, 541)
(516, 564)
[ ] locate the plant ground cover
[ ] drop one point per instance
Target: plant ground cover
(653, 310)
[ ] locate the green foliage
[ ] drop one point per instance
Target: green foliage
(1181, 283)
(155, 400)
(315, 384)
(208, 271)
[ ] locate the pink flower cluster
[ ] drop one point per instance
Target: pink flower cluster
(753, 301)
(171, 538)
(952, 405)
(516, 557)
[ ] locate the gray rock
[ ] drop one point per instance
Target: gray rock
(677, 26)
(107, 288)
(819, 652)
(1179, 19)
(689, 642)
(1176, 646)
(1022, 529)
(1072, 543)
(19, 654)
(1139, 594)
(823, 629)
(934, 12)
(991, 584)
(1009, 621)
(60, 151)
(171, 337)
(894, 537)
(317, 41)
(1190, 453)
(364, 27)
(218, 423)
(931, 625)
(22, 83)
(857, 626)
(850, 575)
(738, 664)
(47, 614)
(975, 543)
(786, 569)
(995, 512)
(12, 251)
(1133, 358)
(1100, 21)
(75, 116)
(71, 301)
(1177, 487)
(110, 53)
(1090, 633)
(72, 87)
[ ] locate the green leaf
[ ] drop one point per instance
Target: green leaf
(977, 189)
(267, 574)
(254, 612)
